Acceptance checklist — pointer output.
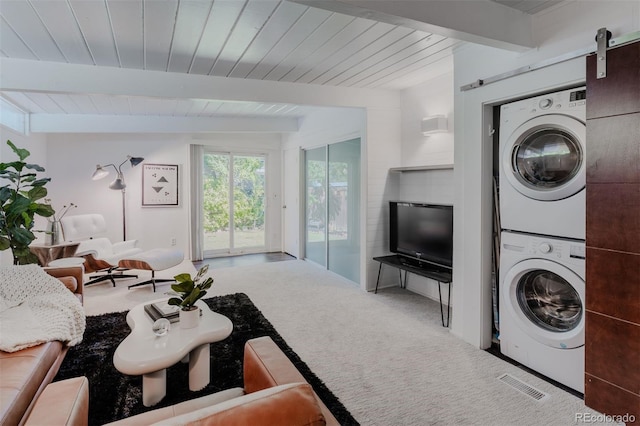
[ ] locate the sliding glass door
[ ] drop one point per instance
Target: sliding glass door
(234, 203)
(332, 207)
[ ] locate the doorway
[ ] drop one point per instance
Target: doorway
(234, 203)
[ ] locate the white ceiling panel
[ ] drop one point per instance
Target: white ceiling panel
(275, 40)
(11, 45)
(94, 21)
(104, 105)
(250, 23)
(159, 18)
(345, 51)
(305, 49)
(354, 61)
(302, 29)
(283, 18)
(85, 104)
(222, 20)
(37, 37)
(22, 101)
(126, 20)
(66, 103)
(63, 27)
(47, 103)
(530, 7)
(190, 24)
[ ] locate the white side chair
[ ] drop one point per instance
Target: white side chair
(99, 253)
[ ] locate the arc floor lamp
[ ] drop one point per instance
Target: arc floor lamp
(118, 183)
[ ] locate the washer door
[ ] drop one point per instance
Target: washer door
(544, 157)
(546, 300)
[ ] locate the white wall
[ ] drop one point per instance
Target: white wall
(379, 129)
(36, 145)
(73, 158)
(573, 27)
(435, 97)
(384, 130)
(324, 126)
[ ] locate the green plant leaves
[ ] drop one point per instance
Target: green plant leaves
(182, 278)
(18, 205)
(20, 152)
(44, 210)
(4, 243)
(183, 287)
(189, 290)
(37, 193)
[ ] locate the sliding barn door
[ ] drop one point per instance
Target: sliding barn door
(612, 339)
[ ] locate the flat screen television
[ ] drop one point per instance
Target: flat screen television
(422, 233)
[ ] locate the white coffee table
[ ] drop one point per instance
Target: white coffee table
(144, 353)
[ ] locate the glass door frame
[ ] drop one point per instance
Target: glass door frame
(231, 250)
(355, 215)
(325, 209)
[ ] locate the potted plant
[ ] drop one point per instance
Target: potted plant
(187, 292)
(19, 205)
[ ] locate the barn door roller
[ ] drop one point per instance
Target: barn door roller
(602, 38)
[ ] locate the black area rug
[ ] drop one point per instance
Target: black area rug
(113, 395)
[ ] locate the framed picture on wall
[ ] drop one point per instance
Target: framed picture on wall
(159, 185)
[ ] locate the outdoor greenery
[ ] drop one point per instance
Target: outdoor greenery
(19, 201)
(248, 187)
(316, 178)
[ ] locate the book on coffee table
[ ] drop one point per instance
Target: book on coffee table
(162, 309)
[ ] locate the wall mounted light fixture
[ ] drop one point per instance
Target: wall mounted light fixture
(434, 124)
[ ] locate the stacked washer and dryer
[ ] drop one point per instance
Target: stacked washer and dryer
(542, 214)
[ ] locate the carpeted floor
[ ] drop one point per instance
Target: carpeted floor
(114, 396)
(386, 355)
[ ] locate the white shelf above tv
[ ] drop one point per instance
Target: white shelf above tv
(421, 168)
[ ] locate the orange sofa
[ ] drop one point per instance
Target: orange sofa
(274, 393)
(25, 374)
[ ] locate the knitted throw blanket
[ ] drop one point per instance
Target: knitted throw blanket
(36, 308)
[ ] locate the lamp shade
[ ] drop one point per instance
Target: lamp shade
(118, 183)
(99, 173)
(135, 161)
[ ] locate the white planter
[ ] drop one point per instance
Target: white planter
(190, 319)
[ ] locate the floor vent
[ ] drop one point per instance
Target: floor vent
(523, 387)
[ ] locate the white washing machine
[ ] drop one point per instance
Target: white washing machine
(542, 164)
(542, 305)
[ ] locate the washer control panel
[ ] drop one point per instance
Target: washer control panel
(539, 246)
(552, 103)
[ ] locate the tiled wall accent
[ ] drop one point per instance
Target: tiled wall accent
(612, 351)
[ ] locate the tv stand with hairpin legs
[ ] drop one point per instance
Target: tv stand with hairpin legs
(440, 275)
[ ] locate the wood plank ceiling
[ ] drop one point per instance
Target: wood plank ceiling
(247, 39)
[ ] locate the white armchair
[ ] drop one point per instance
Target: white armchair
(99, 253)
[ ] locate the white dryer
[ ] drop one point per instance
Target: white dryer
(542, 164)
(542, 305)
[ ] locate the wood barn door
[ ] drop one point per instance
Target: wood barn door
(612, 339)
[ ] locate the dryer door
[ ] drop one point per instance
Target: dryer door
(544, 157)
(546, 300)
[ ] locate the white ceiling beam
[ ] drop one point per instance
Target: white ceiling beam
(84, 123)
(53, 77)
(476, 21)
